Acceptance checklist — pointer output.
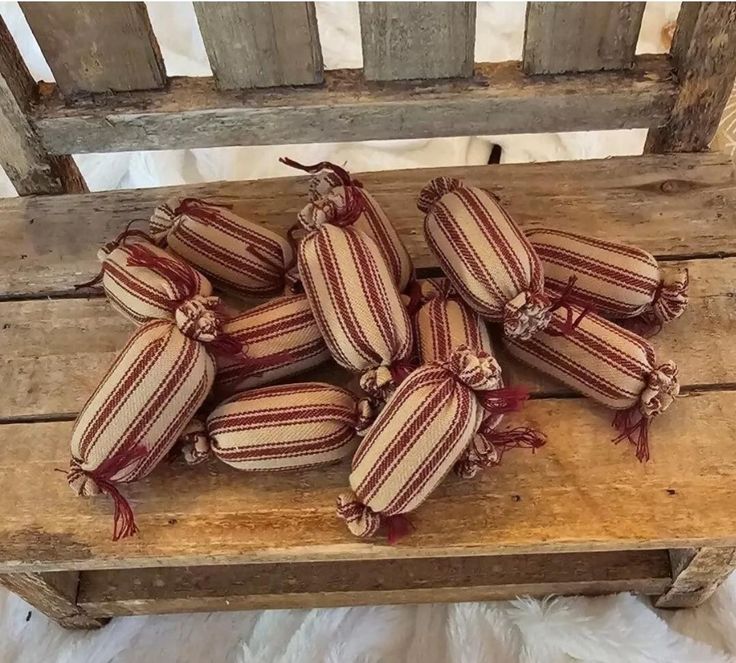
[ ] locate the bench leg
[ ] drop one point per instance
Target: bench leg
(696, 574)
(53, 594)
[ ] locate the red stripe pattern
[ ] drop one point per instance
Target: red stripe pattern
(144, 293)
(416, 439)
(618, 281)
(602, 361)
(287, 427)
(280, 338)
(240, 255)
(355, 303)
(485, 255)
(140, 408)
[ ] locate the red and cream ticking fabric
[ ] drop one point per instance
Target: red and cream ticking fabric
(355, 302)
(327, 191)
(618, 281)
(443, 324)
(287, 427)
(279, 338)
(416, 439)
(144, 282)
(608, 364)
(485, 255)
(136, 414)
(237, 253)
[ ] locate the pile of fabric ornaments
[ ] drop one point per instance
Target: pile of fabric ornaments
(200, 379)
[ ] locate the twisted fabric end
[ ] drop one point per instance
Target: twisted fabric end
(195, 443)
(488, 447)
(477, 370)
(380, 382)
(328, 175)
(365, 413)
(434, 190)
(662, 388)
(671, 299)
(526, 314)
(361, 520)
(337, 208)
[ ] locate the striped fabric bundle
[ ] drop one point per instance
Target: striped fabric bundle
(140, 408)
(287, 427)
(608, 364)
(327, 191)
(417, 438)
(144, 282)
(355, 302)
(280, 338)
(486, 256)
(442, 324)
(618, 281)
(239, 254)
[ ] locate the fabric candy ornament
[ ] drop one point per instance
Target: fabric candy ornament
(284, 427)
(140, 408)
(617, 280)
(608, 364)
(354, 299)
(487, 258)
(279, 338)
(442, 324)
(417, 438)
(239, 254)
(327, 189)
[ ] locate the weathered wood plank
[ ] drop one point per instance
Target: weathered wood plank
(500, 99)
(30, 168)
(97, 46)
(580, 36)
(55, 352)
(405, 40)
(328, 584)
(697, 574)
(704, 55)
(53, 594)
(579, 493)
(261, 44)
(673, 205)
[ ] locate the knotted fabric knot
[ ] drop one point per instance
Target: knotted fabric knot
(480, 454)
(198, 318)
(526, 314)
(662, 387)
(338, 208)
(361, 520)
(434, 190)
(195, 443)
(364, 415)
(477, 370)
(377, 382)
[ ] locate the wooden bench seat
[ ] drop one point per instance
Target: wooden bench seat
(581, 503)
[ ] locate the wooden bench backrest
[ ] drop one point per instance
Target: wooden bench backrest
(579, 72)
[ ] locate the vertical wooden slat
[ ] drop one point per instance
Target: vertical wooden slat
(54, 594)
(261, 44)
(704, 56)
(97, 47)
(696, 574)
(30, 168)
(405, 40)
(580, 36)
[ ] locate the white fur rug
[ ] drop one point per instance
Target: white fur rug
(613, 629)
(617, 629)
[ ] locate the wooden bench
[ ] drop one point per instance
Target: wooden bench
(581, 516)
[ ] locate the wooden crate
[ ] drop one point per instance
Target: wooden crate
(582, 516)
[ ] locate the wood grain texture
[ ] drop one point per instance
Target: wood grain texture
(261, 44)
(704, 55)
(579, 493)
(55, 352)
(499, 99)
(580, 36)
(29, 167)
(53, 594)
(697, 574)
(97, 46)
(673, 205)
(328, 584)
(405, 40)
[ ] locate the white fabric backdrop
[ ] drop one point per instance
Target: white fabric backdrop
(610, 629)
